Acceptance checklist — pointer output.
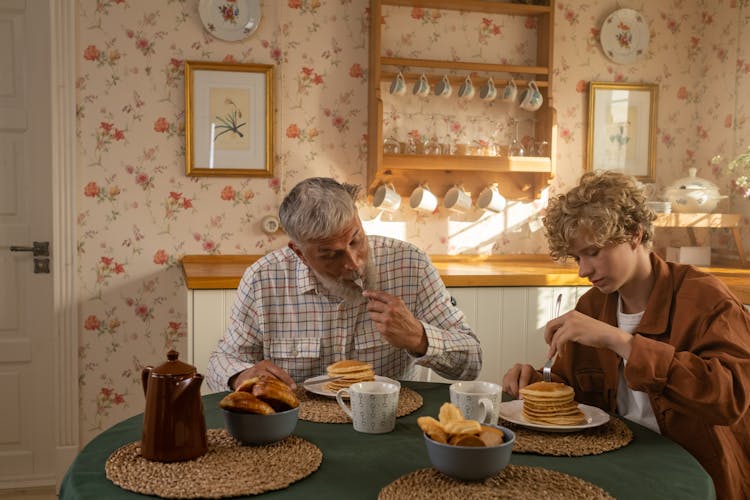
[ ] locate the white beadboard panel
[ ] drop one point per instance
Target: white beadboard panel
(10, 418)
(210, 314)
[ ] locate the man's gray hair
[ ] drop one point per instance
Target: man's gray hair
(317, 208)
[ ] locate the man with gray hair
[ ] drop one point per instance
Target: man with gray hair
(334, 293)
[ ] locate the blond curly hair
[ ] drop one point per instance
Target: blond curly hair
(605, 208)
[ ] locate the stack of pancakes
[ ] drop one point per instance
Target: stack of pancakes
(351, 371)
(551, 403)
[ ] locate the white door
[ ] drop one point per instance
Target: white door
(27, 399)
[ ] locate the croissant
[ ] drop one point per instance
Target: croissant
(245, 402)
(276, 393)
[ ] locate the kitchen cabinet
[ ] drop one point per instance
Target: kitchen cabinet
(708, 220)
(509, 322)
(519, 177)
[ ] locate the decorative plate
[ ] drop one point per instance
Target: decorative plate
(512, 412)
(230, 20)
(315, 385)
(624, 36)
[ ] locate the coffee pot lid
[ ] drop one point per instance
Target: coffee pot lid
(173, 366)
(694, 183)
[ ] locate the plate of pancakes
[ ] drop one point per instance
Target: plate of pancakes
(342, 374)
(549, 406)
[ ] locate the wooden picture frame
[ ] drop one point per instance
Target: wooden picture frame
(228, 119)
(622, 128)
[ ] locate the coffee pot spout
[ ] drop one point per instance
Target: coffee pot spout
(188, 388)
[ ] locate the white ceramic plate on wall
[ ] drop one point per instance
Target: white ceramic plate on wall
(230, 21)
(624, 36)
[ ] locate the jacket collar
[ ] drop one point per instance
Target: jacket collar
(655, 319)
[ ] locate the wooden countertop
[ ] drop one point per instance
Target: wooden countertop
(225, 271)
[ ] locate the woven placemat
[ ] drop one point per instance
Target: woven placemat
(228, 469)
(317, 408)
(514, 482)
(610, 436)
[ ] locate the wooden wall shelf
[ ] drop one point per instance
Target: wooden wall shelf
(693, 220)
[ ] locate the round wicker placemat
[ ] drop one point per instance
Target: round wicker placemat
(228, 469)
(514, 482)
(610, 436)
(316, 408)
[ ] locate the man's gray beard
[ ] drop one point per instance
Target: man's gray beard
(344, 288)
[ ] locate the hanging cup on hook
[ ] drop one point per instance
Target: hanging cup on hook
(491, 200)
(386, 198)
(423, 200)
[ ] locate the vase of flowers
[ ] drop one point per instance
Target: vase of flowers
(739, 169)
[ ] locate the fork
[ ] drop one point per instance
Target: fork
(547, 370)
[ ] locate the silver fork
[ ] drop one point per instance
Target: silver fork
(547, 370)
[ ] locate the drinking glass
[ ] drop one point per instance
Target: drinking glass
(516, 146)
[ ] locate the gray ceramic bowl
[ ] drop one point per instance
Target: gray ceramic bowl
(250, 428)
(471, 463)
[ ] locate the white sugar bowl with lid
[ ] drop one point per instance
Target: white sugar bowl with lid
(693, 194)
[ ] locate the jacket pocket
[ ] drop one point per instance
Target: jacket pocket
(591, 388)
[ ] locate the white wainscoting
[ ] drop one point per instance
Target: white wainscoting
(509, 322)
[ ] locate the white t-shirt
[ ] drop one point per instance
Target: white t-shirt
(633, 405)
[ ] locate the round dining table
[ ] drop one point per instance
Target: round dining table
(357, 465)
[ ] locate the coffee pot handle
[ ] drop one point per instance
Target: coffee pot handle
(145, 374)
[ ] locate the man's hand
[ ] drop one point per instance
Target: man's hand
(518, 377)
(396, 323)
(265, 367)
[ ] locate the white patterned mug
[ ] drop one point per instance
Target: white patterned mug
(491, 200)
(457, 200)
(398, 85)
(466, 90)
(386, 198)
(477, 400)
(488, 92)
(423, 200)
(421, 86)
(443, 88)
(531, 99)
(373, 406)
(510, 92)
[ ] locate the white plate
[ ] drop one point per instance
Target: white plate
(315, 385)
(624, 36)
(511, 411)
(230, 21)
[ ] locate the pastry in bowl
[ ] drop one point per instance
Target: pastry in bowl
(551, 403)
(465, 449)
(261, 410)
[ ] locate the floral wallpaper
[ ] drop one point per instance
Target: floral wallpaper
(139, 213)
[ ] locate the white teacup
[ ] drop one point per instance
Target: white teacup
(386, 198)
(488, 92)
(443, 88)
(373, 405)
(398, 85)
(457, 199)
(421, 86)
(531, 99)
(466, 90)
(510, 92)
(490, 199)
(423, 200)
(477, 400)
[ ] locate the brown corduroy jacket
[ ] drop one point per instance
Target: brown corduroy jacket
(691, 355)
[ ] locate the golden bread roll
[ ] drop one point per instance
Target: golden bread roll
(247, 385)
(244, 402)
(276, 393)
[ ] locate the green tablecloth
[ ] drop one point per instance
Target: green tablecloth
(358, 465)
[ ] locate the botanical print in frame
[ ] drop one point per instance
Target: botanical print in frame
(622, 128)
(228, 119)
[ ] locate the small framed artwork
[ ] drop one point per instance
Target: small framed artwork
(228, 119)
(622, 128)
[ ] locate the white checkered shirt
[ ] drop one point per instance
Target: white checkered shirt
(281, 313)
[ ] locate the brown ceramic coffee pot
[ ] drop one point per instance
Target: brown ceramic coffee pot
(174, 428)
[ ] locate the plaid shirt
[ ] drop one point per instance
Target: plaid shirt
(281, 313)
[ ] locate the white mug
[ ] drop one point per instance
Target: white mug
(510, 91)
(398, 85)
(386, 198)
(490, 199)
(421, 86)
(373, 405)
(457, 199)
(443, 88)
(422, 199)
(532, 99)
(488, 92)
(477, 400)
(466, 90)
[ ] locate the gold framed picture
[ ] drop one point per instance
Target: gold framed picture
(228, 119)
(622, 128)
